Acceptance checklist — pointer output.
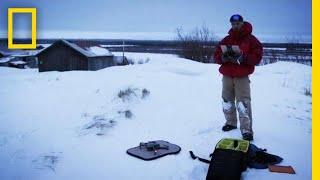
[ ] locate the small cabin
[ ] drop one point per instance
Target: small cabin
(63, 55)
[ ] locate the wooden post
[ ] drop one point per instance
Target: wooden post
(123, 51)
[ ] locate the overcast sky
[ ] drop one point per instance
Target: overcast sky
(282, 18)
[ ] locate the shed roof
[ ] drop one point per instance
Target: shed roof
(84, 51)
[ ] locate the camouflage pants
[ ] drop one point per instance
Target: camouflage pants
(237, 90)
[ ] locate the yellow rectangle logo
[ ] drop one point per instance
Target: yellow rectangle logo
(33, 12)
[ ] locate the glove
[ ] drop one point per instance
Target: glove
(228, 56)
(236, 59)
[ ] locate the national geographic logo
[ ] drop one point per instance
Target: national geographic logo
(33, 12)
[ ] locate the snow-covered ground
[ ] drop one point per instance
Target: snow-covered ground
(50, 121)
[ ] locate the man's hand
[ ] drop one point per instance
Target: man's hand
(238, 59)
(226, 58)
(234, 58)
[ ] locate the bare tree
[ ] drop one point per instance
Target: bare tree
(296, 53)
(197, 45)
(291, 43)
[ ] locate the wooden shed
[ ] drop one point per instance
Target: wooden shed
(63, 55)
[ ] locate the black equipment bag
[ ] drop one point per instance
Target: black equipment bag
(228, 160)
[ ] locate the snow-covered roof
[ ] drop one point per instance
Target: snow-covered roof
(5, 59)
(78, 48)
(88, 52)
(22, 55)
(99, 51)
(7, 52)
(34, 52)
(44, 45)
(18, 62)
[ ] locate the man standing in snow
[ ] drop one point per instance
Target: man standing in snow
(238, 53)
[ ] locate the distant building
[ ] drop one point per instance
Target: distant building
(4, 61)
(10, 58)
(66, 56)
(6, 52)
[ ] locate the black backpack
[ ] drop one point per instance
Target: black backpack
(228, 160)
(232, 156)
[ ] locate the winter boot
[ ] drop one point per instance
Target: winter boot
(247, 136)
(228, 127)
